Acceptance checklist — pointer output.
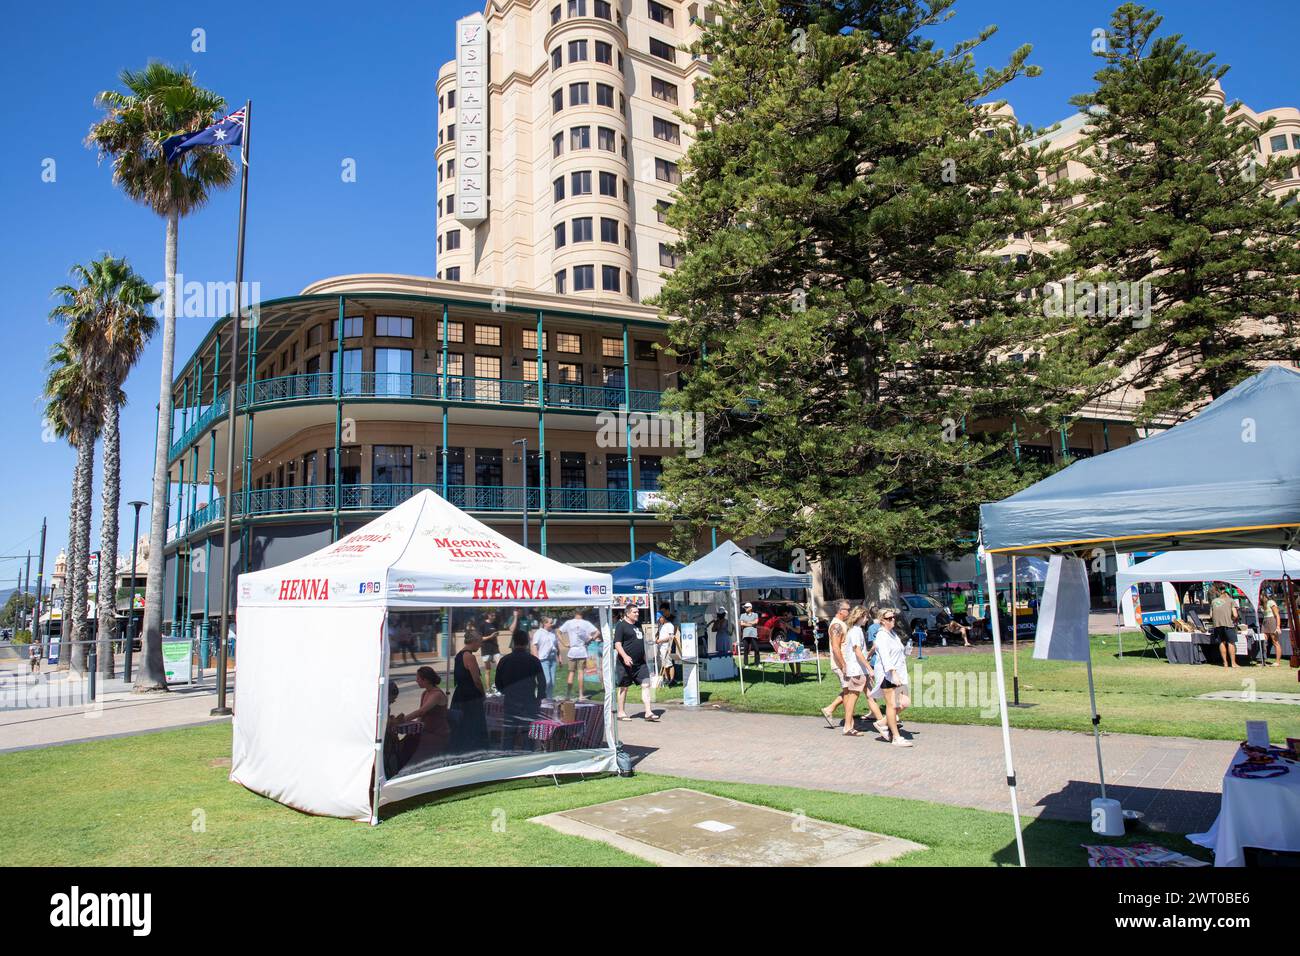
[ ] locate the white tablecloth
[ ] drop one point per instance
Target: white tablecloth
(1260, 812)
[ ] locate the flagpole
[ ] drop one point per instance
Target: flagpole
(222, 708)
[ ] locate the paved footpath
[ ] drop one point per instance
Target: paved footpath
(1175, 781)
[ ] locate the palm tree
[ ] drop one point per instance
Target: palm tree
(160, 101)
(107, 316)
(73, 410)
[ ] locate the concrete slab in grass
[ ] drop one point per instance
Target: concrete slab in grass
(682, 827)
(1254, 697)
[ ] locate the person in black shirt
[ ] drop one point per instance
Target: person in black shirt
(522, 681)
(630, 648)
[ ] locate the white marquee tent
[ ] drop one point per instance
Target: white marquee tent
(312, 692)
(1246, 569)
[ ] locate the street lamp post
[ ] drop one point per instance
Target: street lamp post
(524, 460)
(130, 607)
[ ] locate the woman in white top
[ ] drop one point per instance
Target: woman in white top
(850, 659)
(578, 633)
(891, 677)
(669, 647)
(545, 644)
(1270, 622)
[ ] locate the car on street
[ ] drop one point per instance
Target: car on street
(920, 607)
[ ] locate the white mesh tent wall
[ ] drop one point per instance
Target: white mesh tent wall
(311, 696)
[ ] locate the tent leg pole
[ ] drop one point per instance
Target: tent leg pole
(1002, 708)
(740, 645)
(812, 622)
(1096, 726)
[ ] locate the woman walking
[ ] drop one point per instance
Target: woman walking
(835, 632)
(891, 677)
(852, 662)
(1270, 622)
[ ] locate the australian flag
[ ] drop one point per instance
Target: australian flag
(225, 132)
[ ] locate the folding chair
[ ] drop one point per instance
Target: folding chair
(1155, 640)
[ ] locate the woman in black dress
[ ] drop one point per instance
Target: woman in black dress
(469, 732)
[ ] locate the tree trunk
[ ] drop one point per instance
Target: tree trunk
(78, 631)
(70, 569)
(107, 607)
(152, 676)
(880, 579)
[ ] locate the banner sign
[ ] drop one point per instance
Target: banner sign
(690, 666)
(176, 662)
(471, 119)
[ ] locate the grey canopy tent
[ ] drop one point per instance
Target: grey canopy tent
(728, 568)
(1227, 478)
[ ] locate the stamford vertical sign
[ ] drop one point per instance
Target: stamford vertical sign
(471, 119)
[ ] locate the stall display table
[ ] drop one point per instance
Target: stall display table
(1198, 647)
(587, 729)
(786, 665)
(1258, 810)
(589, 714)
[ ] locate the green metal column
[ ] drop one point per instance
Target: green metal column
(445, 397)
(207, 542)
(338, 426)
(1065, 448)
(541, 435)
(1105, 435)
(627, 444)
(1015, 440)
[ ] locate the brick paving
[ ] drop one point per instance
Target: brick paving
(1174, 781)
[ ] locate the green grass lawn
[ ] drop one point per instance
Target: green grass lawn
(1136, 694)
(139, 800)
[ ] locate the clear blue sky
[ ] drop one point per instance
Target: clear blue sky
(329, 81)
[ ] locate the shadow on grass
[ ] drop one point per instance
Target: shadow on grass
(1050, 842)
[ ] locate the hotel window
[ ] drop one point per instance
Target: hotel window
(354, 327)
(608, 230)
(603, 9)
(605, 138)
(622, 104)
(453, 274)
(569, 342)
(352, 371)
(487, 470)
(623, 146)
(661, 210)
(451, 203)
(604, 95)
(580, 183)
(1295, 140)
(582, 229)
(451, 99)
(570, 373)
(560, 285)
(451, 168)
(557, 101)
(455, 331)
(529, 368)
(557, 145)
(453, 239)
(555, 14)
(314, 336)
(1277, 143)
(580, 137)
(584, 278)
(350, 473)
(611, 347)
(455, 364)
(620, 62)
(661, 14)
(662, 50)
(666, 256)
(663, 90)
(616, 480)
(557, 188)
(644, 350)
(627, 237)
(440, 172)
(455, 467)
(392, 371)
(609, 185)
(579, 94)
(557, 58)
(577, 50)
(451, 132)
(667, 171)
(609, 278)
(396, 326)
(668, 132)
(604, 53)
(651, 469)
(559, 236)
(627, 194)
(488, 368)
(577, 8)
(487, 334)
(530, 340)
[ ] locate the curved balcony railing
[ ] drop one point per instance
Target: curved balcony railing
(459, 388)
(214, 411)
(267, 502)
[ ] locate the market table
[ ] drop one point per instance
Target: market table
(785, 664)
(1197, 647)
(1259, 811)
(588, 715)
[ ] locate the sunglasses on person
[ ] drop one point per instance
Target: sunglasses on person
(887, 617)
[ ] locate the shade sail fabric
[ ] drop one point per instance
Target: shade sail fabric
(426, 552)
(1226, 478)
(632, 577)
(1246, 569)
(725, 566)
(1062, 631)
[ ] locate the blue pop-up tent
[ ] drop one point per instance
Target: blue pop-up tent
(728, 568)
(635, 576)
(1227, 478)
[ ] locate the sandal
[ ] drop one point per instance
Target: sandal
(852, 733)
(625, 717)
(652, 718)
(827, 717)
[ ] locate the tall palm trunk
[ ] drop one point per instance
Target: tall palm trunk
(152, 675)
(70, 571)
(78, 632)
(107, 608)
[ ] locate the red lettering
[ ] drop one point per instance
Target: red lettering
(480, 589)
(284, 590)
(541, 594)
(526, 590)
(496, 589)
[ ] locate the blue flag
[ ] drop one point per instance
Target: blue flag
(225, 132)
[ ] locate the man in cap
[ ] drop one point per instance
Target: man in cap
(748, 634)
